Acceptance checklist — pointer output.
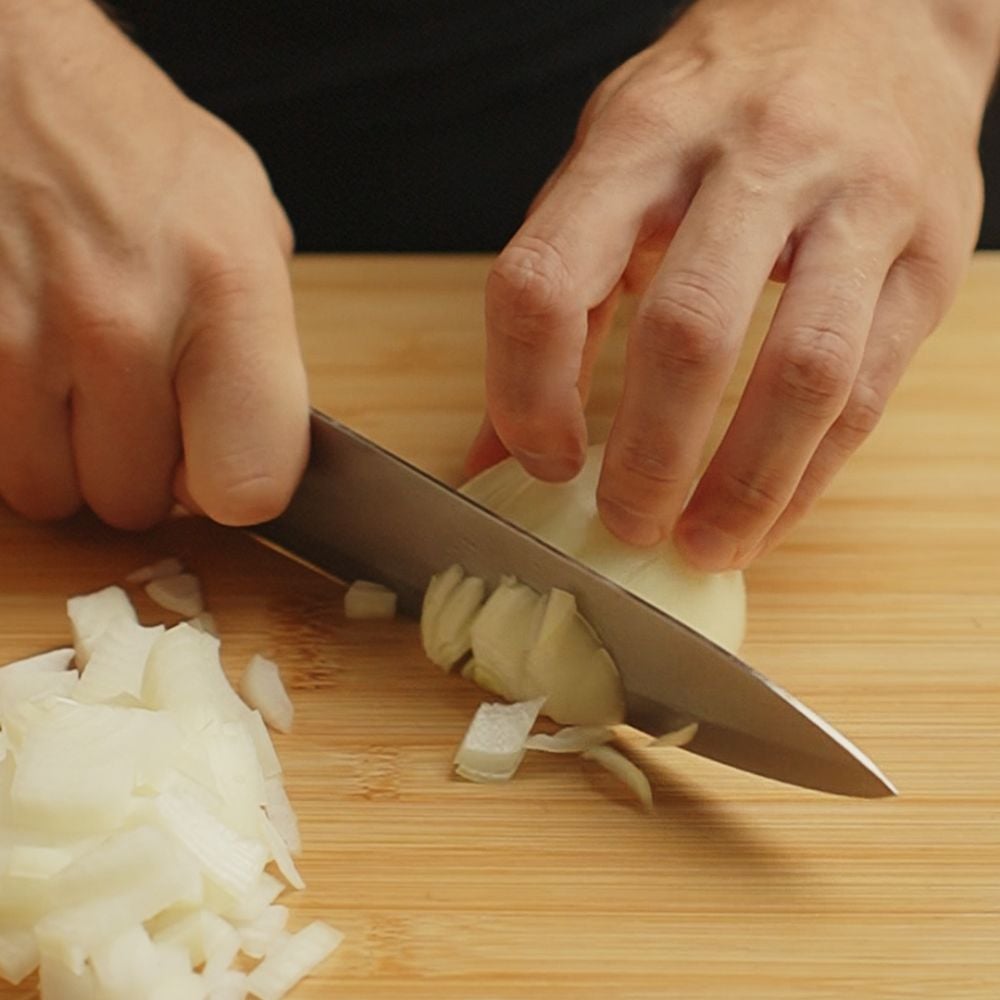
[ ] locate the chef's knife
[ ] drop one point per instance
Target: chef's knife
(361, 512)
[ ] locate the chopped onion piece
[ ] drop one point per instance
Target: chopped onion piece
(90, 615)
(570, 739)
(184, 676)
(262, 689)
(24, 685)
(620, 766)
(281, 813)
(493, 746)
(258, 936)
(118, 662)
(678, 738)
(230, 861)
(286, 966)
(19, 955)
(143, 873)
(267, 756)
(180, 593)
(365, 599)
(231, 985)
(54, 660)
(249, 906)
(37, 861)
(280, 854)
(170, 566)
(204, 936)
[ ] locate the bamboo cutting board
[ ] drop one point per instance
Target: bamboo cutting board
(881, 611)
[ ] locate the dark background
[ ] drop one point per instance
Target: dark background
(989, 150)
(412, 125)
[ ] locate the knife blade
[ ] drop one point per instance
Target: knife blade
(362, 512)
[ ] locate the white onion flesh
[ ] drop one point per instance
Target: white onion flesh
(678, 738)
(285, 966)
(626, 770)
(565, 516)
(494, 744)
(365, 599)
(140, 804)
(523, 645)
(262, 689)
(570, 739)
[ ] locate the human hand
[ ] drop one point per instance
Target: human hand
(829, 146)
(147, 340)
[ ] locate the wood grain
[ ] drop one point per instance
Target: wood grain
(882, 611)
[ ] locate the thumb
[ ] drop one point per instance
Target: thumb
(242, 394)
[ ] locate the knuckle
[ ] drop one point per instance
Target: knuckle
(783, 125)
(529, 279)
(639, 460)
(757, 493)
(860, 417)
(686, 325)
(891, 174)
(816, 370)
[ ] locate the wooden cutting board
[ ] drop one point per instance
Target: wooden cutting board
(881, 611)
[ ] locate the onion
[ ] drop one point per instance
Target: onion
(565, 516)
(619, 765)
(285, 966)
(140, 804)
(364, 599)
(570, 739)
(262, 689)
(180, 593)
(494, 743)
(529, 647)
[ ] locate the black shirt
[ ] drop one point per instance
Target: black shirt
(398, 124)
(412, 124)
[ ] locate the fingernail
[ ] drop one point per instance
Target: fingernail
(550, 468)
(706, 547)
(629, 525)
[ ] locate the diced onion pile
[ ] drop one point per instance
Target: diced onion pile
(141, 807)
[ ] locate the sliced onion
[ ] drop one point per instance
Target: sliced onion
(620, 766)
(565, 516)
(678, 738)
(570, 739)
(180, 593)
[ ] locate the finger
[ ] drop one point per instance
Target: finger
(124, 418)
(242, 392)
(798, 387)
(905, 315)
(681, 352)
(564, 262)
(37, 475)
(487, 449)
